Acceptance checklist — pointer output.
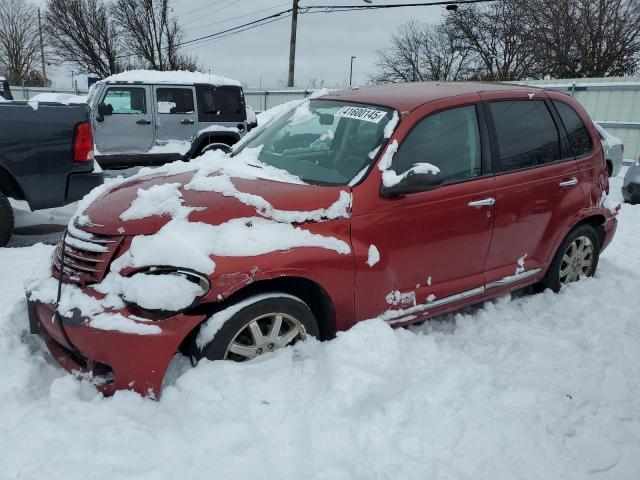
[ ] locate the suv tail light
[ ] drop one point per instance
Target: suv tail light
(83, 144)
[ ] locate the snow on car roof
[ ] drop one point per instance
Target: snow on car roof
(181, 77)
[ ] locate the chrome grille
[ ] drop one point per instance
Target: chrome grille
(86, 256)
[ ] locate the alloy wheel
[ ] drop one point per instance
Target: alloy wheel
(577, 260)
(264, 334)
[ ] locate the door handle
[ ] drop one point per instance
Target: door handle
(143, 121)
(186, 121)
(485, 202)
(569, 183)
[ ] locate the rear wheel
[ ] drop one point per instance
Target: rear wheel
(609, 168)
(262, 327)
(577, 257)
(6, 220)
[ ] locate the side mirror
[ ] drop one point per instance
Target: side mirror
(412, 181)
(104, 109)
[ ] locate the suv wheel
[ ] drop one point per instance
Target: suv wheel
(262, 327)
(577, 257)
(6, 220)
(609, 168)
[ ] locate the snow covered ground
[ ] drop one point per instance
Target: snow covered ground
(525, 387)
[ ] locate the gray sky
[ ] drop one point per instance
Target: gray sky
(326, 41)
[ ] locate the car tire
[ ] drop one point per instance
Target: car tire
(609, 168)
(576, 257)
(6, 220)
(236, 340)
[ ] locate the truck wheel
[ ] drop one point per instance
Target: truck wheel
(6, 220)
(577, 257)
(260, 327)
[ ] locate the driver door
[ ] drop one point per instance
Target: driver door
(129, 128)
(432, 244)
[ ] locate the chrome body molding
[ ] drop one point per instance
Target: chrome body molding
(408, 314)
(513, 278)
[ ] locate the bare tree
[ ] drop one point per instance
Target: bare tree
(19, 47)
(82, 33)
(593, 38)
(420, 52)
(152, 35)
(501, 38)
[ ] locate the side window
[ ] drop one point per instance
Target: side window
(126, 100)
(527, 134)
(577, 132)
(450, 140)
(174, 100)
(220, 104)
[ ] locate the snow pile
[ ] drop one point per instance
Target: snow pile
(185, 244)
(374, 255)
(178, 77)
(160, 199)
(64, 98)
(528, 386)
(163, 292)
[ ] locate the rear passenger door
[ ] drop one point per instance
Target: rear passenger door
(536, 185)
(175, 114)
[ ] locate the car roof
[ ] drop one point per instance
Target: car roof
(408, 96)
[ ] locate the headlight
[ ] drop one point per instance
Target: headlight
(164, 288)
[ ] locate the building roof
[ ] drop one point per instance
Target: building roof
(408, 96)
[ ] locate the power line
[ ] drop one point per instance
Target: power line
(248, 14)
(230, 4)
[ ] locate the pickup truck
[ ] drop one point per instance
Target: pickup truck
(46, 157)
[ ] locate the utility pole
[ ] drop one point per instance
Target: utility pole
(292, 45)
(44, 71)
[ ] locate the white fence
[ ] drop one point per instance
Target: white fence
(612, 102)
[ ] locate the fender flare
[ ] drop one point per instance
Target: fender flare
(229, 137)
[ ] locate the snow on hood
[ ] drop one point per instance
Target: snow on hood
(181, 77)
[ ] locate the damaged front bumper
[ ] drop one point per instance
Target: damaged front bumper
(112, 359)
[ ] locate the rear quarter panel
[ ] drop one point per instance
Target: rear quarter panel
(36, 149)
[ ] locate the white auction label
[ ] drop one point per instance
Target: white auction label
(362, 113)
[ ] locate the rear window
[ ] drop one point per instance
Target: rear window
(577, 132)
(527, 134)
(220, 104)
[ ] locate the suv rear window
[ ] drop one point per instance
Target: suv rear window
(577, 132)
(527, 134)
(220, 104)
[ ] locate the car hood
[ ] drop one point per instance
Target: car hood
(208, 207)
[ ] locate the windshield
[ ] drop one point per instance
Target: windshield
(324, 142)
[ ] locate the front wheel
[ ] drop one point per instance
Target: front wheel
(259, 327)
(577, 257)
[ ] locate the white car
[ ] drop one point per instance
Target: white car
(613, 150)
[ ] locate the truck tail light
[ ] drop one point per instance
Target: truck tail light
(83, 145)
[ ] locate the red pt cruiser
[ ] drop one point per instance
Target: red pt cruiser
(398, 202)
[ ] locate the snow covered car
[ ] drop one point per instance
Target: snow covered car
(398, 202)
(613, 150)
(145, 117)
(631, 184)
